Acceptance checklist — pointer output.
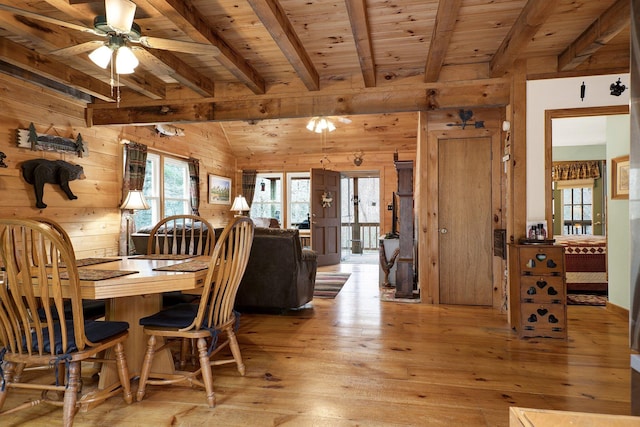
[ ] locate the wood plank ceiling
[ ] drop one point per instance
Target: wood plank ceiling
(263, 67)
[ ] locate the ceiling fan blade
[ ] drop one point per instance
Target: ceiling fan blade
(120, 14)
(53, 21)
(179, 46)
(78, 49)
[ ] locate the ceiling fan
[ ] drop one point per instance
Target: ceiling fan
(121, 32)
(322, 123)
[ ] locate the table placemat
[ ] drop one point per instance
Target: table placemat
(93, 274)
(164, 256)
(189, 266)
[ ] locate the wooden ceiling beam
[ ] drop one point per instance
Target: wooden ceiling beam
(357, 10)
(57, 71)
(492, 92)
(190, 20)
(183, 73)
(533, 15)
(440, 38)
(596, 36)
(275, 20)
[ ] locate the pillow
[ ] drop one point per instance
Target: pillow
(261, 222)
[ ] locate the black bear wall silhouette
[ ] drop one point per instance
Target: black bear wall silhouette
(38, 172)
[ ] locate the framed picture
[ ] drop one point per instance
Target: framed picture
(620, 177)
(219, 190)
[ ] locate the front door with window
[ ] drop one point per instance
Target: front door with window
(325, 215)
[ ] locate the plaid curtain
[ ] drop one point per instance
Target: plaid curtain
(249, 184)
(563, 171)
(194, 185)
(135, 162)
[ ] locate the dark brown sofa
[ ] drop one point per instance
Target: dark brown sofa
(280, 274)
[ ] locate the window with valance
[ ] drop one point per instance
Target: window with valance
(565, 171)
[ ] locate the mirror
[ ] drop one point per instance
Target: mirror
(575, 140)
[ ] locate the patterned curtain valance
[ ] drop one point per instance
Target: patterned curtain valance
(563, 171)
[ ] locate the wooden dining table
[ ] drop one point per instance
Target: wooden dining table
(137, 294)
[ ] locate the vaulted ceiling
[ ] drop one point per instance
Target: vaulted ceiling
(261, 68)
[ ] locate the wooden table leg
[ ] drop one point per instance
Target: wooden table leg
(132, 309)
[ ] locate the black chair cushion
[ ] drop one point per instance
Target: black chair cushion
(95, 331)
(176, 297)
(177, 316)
(91, 308)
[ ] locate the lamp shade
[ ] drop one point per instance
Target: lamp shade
(120, 14)
(126, 61)
(101, 56)
(135, 201)
(240, 204)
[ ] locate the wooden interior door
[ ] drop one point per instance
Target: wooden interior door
(464, 203)
(325, 216)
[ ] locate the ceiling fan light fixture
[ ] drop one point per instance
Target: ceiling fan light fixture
(120, 14)
(126, 61)
(101, 56)
(319, 124)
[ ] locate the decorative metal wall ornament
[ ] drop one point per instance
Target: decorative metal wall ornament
(357, 158)
(617, 88)
(465, 117)
(29, 138)
(327, 199)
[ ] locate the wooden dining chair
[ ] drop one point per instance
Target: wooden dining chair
(207, 321)
(34, 254)
(92, 309)
(181, 235)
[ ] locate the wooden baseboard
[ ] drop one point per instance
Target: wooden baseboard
(616, 309)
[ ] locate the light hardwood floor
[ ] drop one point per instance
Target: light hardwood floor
(357, 361)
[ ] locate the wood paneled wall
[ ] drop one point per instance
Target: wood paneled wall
(93, 220)
(379, 162)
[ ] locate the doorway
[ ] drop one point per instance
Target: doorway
(577, 204)
(360, 217)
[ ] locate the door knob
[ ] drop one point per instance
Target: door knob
(443, 231)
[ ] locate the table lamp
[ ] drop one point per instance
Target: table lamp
(134, 201)
(240, 204)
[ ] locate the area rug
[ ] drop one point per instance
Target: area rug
(329, 284)
(584, 299)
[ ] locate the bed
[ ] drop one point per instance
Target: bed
(585, 262)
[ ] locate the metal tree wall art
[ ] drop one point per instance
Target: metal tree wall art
(29, 138)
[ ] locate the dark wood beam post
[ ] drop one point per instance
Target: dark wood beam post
(404, 269)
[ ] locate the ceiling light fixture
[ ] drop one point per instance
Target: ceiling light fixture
(125, 60)
(319, 124)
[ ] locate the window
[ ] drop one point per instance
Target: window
(167, 196)
(267, 199)
(577, 210)
(299, 193)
